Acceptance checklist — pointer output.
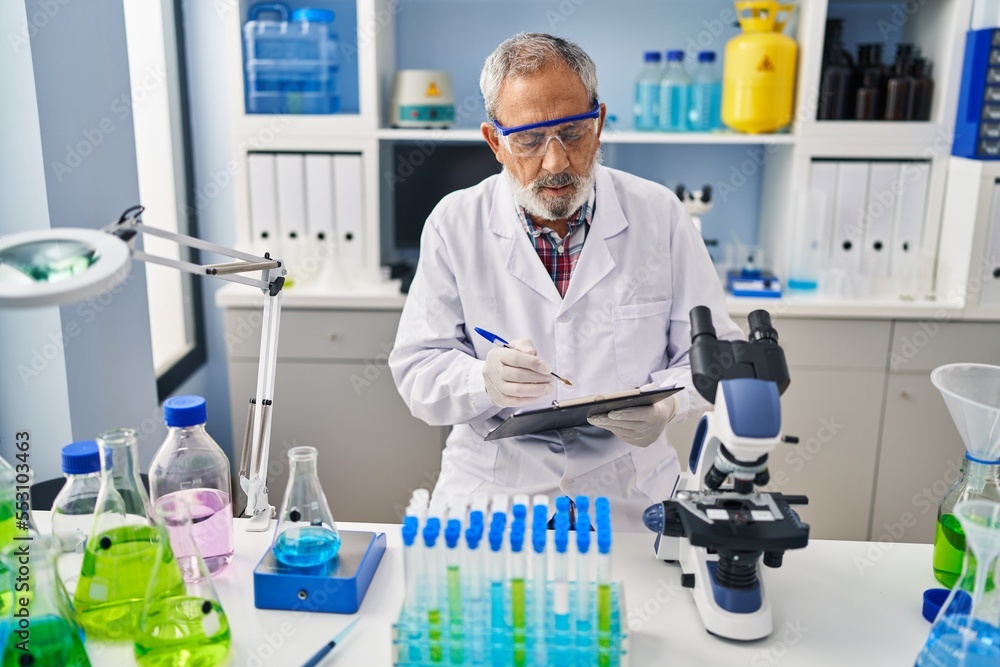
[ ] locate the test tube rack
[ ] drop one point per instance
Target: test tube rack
(472, 641)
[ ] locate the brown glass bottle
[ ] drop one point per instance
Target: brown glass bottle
(837, 87)
(897, 95)
(870, 104)
(921, 91)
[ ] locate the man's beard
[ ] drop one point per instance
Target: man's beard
(541, 206)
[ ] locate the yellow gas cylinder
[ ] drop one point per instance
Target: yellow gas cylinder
(758, 82)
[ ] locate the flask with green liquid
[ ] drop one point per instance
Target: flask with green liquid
(184, 625)
(121, 546)
(50, 636)
(972, 394)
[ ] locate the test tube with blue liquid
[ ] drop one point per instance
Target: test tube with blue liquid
(498, 576)
(583, 581)
(475, 573)
(539, 572)
(560, 585)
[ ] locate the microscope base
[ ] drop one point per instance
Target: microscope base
(738, 615)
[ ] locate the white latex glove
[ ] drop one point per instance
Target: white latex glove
(516, 377)
(639, 427)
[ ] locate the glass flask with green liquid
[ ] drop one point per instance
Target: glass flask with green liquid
(7, 483)
(42, 633)
(180, 626)
(972, 394)
(306, 535)
(121, 546)
(979, 480)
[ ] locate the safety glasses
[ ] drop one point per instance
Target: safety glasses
(572, 133)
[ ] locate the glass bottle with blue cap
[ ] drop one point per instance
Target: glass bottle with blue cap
(74, 506)
(192, 466)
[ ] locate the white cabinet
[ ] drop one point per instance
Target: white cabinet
(921, 450)
(333, 391)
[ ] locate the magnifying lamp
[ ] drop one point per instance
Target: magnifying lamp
(65, 266)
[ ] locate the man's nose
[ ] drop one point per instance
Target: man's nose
(555, 159)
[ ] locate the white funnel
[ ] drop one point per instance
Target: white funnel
(972, 394)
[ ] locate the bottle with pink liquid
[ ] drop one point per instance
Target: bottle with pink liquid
(192, 466)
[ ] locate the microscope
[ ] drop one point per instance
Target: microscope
(717, 525)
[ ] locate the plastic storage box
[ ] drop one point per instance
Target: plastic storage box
(291, 62)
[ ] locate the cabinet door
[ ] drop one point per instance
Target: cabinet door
(919, 460)
(835, 415)
(372, 451)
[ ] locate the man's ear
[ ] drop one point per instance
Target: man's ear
(493, 139)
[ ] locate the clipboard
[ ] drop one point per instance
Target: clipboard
(574, 412)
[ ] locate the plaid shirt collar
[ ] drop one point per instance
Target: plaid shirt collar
(584, 215)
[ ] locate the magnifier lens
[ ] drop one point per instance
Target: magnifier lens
(50, 261)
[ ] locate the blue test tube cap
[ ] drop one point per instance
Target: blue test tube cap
(432, 528)
(582, 505)
(520, 511)
(517, 540)
(476, 516)
(538, 540)
(562, 504)
(452, 533)
(602, 507)
(496, 540)
(409, 530)
(561, 539)
(473, 535)
(539, 518)
(583, 532)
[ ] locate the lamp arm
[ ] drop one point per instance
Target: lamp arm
(256, 444)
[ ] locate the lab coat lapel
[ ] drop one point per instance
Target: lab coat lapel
(596, 260)
(522, 259)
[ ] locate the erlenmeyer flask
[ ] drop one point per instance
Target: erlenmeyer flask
(120, 548)
(181, 626)
(972, 394)
(52, 638)
(966, 632)
(306, 535)
(7, 483)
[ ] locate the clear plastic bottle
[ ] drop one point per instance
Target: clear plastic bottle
(120, 547)
(74, 507)
(190, 464)
(675, 87)
(980, 480)
(647, 92)
(55, 639)
(306, 535)
(706, 95)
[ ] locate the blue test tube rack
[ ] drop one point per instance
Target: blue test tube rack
(480, 642)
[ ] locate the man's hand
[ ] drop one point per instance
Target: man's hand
(516, 377)
(641, 426)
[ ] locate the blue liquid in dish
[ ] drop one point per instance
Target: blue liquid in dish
(308, 546)
(949, 644)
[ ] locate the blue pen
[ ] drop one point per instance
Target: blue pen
(497, 340)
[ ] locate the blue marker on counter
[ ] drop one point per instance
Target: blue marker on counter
(497, 340)
(560, 587)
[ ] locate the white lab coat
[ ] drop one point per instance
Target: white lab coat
(623, 323)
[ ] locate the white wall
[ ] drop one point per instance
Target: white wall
(69, 161)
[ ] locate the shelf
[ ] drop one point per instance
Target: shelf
(819, 307)
(468, 135)
(890, 139)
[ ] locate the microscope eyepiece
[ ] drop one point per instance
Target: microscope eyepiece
(761, 330)
(701, 323)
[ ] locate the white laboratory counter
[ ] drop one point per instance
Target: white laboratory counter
(836, 603)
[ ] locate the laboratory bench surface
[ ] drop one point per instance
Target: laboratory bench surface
(835, 603)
